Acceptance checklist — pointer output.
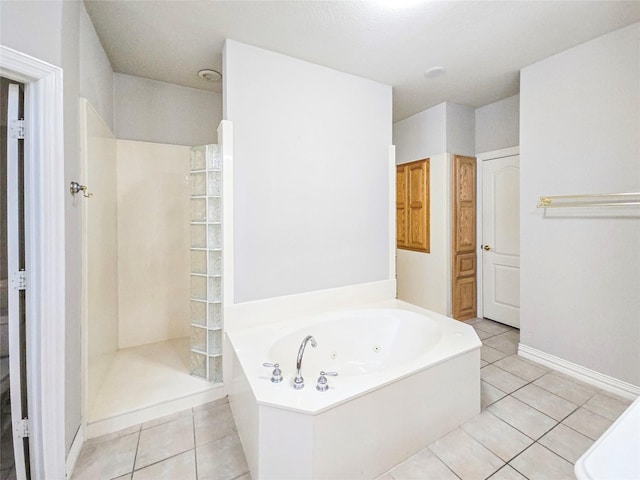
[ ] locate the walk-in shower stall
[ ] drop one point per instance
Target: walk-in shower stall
(152, 276)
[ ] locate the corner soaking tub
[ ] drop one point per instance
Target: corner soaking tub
(406, 376)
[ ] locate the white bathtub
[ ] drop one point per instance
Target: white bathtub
(406, 377)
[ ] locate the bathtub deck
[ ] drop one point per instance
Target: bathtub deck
(408, 403)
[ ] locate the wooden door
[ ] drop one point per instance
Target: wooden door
(464, 282)
(402, 211)
(418, 181)
(501, 239)
(412, 205)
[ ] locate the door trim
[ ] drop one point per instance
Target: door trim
(492, 155)
(45, 255)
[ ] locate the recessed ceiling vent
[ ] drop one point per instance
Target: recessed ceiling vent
(210, 75)
(435, 72)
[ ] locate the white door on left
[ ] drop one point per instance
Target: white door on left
(16, 280)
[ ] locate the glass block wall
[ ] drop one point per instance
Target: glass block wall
(206, 262)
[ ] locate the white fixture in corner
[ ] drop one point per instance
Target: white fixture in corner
(614, 456)
(434, 72)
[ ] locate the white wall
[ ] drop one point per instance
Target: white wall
(461, 125)
(580, 272)
(311, 170)
(157, 112)
(421, 135)
(96, 74)
(33, 28)
(424, 279)
(498, 125)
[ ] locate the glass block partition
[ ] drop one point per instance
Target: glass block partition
(206, 262)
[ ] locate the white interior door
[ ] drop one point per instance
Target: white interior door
(16, 293)
(501, 239)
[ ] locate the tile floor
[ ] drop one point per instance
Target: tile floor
(199, 443)
(534, 424)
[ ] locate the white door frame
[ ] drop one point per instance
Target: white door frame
(505, 152)
(45, 256)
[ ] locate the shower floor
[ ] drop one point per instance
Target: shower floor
(146, 376)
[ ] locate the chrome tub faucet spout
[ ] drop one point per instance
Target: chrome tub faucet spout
(298, 382)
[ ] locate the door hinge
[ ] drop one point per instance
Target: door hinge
(16, 131)
(21, 428)
(19, 280)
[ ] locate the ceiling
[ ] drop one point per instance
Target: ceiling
(482, 45)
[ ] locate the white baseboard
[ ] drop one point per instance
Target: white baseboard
(604, 382)
(129, 419)
(74, 452)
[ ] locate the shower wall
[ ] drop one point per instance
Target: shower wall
(153, 242)
(136, 242)
(99, 232)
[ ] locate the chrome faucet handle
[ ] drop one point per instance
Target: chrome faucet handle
(323, 385)
(298, 382)
(276, 375)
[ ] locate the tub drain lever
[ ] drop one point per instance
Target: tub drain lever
(322, 385)
(276, 375)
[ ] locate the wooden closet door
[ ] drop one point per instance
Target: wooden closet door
(412, 205)
(401, 205)
(418, 181)
(464, 284)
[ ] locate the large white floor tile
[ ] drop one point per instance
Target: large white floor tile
(573, 390)
(498, 436)
(222, 459)
(465, 456)
(507, 473)
(607, 406)
(588, 423)
(505, 342)
(490, 354)
(566, 442)
(493, 328)
(182, 467)
(423, 464)
(501, 379)
(521, 368)
(538, 463)
(489, 394)
(521, 416)
(213, 423)
(164, 441)
(106, 459)
(546, 402)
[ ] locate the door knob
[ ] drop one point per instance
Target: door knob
(487, 247)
